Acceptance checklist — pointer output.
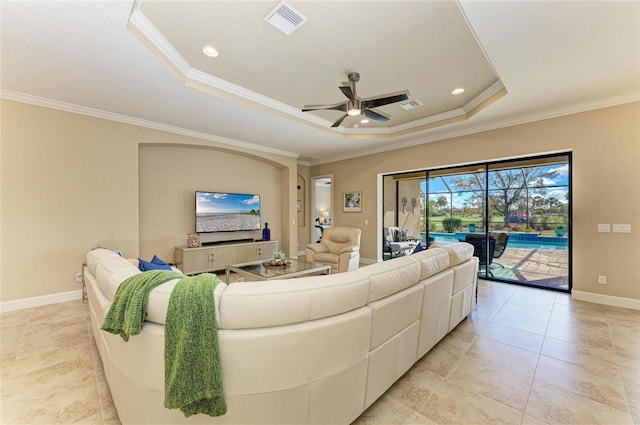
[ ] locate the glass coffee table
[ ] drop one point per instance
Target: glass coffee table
(261, 270)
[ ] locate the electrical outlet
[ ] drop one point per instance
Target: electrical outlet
(604, 228)
(622, 228)
(79, 277)
(602, 280)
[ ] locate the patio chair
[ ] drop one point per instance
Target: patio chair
(479, 249)
(397, 242)
(502, 238)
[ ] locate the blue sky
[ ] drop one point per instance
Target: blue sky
(438, 188)
(225, 203)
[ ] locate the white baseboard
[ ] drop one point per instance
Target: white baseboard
(40, 301)
(606, 300)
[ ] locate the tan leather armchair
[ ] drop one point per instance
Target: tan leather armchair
(339, 247)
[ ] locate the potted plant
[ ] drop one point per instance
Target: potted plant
(279, 259)
(450, 225)
(472, 227)
(560, 230)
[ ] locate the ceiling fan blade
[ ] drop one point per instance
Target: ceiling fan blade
(385, 99)
(342, 106)
(348, 92)
(376, 116)
(337, 123)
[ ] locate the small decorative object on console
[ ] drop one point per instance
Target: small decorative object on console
(266, 233)
(278, 259)
(193, 240)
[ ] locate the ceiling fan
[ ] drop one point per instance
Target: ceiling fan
(357, 105)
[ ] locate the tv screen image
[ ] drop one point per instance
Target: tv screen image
(227, 212)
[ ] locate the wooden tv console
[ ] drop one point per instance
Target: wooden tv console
(217, 257)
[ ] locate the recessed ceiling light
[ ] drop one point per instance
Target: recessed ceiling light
(210, 51)
(364, 121)
(459, 90)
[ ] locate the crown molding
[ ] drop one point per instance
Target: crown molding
(151, 37)
(554, 113)
(97, 113)
(140, 25)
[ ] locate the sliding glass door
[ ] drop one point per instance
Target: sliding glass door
(515, 213)
(529, 201)
(456, 203)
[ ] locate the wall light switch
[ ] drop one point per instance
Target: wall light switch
(622, 228)
(604, 228)
(366, 221)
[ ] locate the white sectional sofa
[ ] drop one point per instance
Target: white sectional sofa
(317, 349)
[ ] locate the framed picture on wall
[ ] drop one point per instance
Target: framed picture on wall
(352, 202)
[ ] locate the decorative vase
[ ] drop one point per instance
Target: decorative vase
(193, 240)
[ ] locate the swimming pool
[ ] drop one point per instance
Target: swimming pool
(516, 240)
(534, 245)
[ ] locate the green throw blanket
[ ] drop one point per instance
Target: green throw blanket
(193, 373)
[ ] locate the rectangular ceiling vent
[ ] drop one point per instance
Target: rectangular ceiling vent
(285, 18)
(412, 104)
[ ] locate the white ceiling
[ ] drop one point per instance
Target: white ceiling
(141, 62)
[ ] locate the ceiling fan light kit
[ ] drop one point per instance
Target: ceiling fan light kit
(356, 105)
(353, 110)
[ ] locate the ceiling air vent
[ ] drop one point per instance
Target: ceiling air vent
(285, 18)
(413, 104)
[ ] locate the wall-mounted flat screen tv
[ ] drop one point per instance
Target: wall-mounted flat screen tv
(227, 212)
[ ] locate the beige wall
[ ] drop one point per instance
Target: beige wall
(410, 219)
(606, 182)
(304, 196)
(169, 177)
(69, 182)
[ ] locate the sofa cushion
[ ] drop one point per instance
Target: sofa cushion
(95, 255)
(391, 276)
(459, 252)
(400, 235)
(392, 314)
(109, 270)
(149, 265)
(432, 261)
(247, 305)
(326, 257)
(464, 274)
(159, 301)
(338, 238)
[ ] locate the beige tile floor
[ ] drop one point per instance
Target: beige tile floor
(524, 356)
